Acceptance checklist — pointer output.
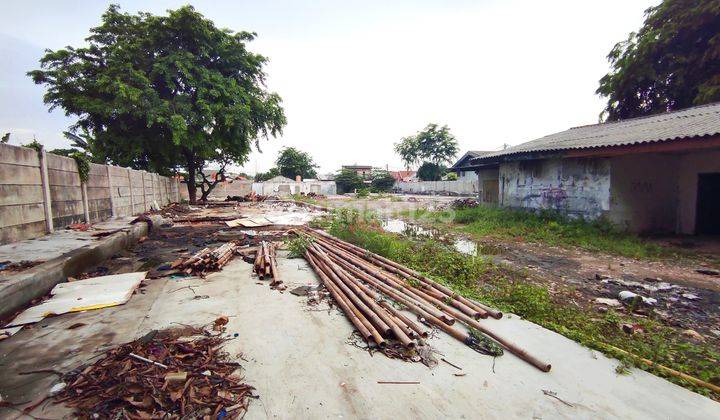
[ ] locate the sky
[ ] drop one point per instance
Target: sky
(357, 76)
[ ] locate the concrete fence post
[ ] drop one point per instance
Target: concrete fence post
(110, 188)
(153, 177)
(144, 193)
(132, 200)
(86, 205)
(45, 179)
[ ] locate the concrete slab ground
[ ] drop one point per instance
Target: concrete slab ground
(57, 243)
(302, 367)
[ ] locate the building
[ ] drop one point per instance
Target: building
(462, 167)
(404, 176)
(659, 173)
(365, 171)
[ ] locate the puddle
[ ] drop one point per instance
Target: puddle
(462, 245)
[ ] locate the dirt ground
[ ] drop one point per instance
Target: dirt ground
(302, 359)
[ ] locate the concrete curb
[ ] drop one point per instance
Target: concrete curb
(19, 290)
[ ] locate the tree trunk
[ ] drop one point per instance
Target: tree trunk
(192, 188)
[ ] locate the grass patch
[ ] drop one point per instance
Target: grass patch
(547, 227)
(479, 278)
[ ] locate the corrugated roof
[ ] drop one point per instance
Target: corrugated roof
(472, 154)
(699, 121)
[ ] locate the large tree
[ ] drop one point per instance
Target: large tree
(164, 93)
(672, 62)
(292, 162)
(433, 144)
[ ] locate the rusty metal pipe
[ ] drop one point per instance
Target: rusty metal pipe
(438, 297)
(367, 254)
(352, 316)
(370, 298)
(362, 301)
(510, 346)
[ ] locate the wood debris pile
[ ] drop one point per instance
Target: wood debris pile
(205, 260)
(265, 265)
(167, 374)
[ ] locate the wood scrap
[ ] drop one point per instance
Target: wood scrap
(181, 373)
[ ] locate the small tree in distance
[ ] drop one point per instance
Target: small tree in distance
(292, 162)
(434, 144)
(348, 181)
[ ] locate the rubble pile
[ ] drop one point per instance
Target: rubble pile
(367, 287)
(252, 197)
(464, 203)
(167, 374)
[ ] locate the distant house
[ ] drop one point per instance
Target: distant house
(280, 179)
(364, 171)
(462, 167)
(654, 173)
(404, 176)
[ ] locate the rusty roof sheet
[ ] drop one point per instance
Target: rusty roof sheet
(699, 121)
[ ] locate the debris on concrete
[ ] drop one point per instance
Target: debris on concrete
(361, 283)
(184, 379)
(608, 302)
(83, 295)
(629, 297)
(9, 332)
(7, 267)
(204, 261)
(265, 265)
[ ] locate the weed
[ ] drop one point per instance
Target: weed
(297, 246)
(508, 290)
(547, 227)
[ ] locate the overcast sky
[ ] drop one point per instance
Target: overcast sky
(355, 77)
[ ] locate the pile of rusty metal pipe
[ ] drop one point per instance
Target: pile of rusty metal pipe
(206, 259)
(359, 280)
(265, 264)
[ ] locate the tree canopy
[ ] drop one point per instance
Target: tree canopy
(429, 171)
(164, 92)
(292, 162)
(382, 181)
(348, 181)
(671, 63)
(433, 144)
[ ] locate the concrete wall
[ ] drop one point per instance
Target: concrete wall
(577, 187)
(644, 192)
(223, 190)
(21, 194)
(460, 187)
(288, 188)
(106, 194)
